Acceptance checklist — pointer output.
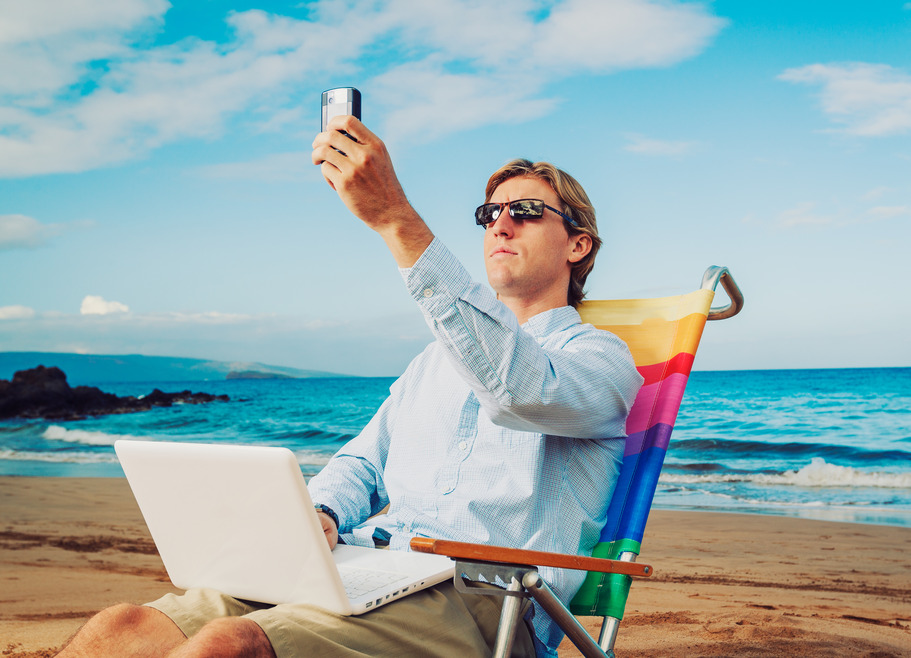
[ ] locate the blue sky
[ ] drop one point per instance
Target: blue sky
(157, 196)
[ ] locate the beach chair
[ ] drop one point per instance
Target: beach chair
(663, 335)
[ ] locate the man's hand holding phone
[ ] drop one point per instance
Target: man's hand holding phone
(357, 166)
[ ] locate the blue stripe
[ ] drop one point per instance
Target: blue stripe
(632, 499)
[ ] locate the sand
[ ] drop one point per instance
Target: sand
(725, 584)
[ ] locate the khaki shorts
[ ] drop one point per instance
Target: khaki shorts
(434, 622)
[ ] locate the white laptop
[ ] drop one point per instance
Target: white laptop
(240, 520)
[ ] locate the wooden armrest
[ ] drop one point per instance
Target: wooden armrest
(480, 552)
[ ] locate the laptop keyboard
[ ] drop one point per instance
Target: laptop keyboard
(359, 582)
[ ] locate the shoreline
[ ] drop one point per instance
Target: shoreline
(856, 515)
(724, 584)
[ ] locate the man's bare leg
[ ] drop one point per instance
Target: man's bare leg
(125, 630)
(132, 630)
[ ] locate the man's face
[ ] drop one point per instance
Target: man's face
(529, 262)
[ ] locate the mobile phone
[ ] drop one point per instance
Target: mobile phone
(338, 102)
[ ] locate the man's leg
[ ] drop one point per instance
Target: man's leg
(131, 630)
(437, 622)
(125, 630)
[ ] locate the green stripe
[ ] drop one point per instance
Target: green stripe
(605, 594)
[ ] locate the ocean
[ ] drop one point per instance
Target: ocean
(819, 444)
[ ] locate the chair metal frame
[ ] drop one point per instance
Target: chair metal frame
(614, 564)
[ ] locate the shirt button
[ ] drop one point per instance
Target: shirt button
(428, 292)
(463, 445)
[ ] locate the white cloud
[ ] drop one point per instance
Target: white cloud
(95, 305)
(16, 313)
(876, 193)
(607, 35)
(31, 20)
(886, 212)
(803, 214)
(83, 116)
(428, 102)
(48, 46)
(84, 90)
(867, 99)
(469, 80)
(647, 146)
(18, 231)
(809, 214)
(277, 167)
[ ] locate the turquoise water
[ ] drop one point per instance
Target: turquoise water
(830, 444)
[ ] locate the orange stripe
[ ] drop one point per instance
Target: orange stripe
(656, 341)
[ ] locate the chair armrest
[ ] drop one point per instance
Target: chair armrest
(483, 553)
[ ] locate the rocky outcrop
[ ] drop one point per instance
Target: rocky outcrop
(44, 393)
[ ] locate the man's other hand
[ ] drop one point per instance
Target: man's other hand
(329, 529)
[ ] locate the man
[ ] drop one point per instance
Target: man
(500, 432)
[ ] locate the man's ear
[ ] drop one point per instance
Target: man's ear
(581, 245)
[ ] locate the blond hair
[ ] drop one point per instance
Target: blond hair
(576, 204)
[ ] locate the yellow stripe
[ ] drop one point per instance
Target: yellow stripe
(634, 311)
(657, 341)
(654, 329)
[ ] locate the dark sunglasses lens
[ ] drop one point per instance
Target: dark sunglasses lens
(487, 213)
(526, 209)
(520, 210)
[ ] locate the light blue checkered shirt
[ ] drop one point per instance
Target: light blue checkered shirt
(495, 434)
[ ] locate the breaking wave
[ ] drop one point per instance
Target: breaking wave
(818, 473)
(58, 433)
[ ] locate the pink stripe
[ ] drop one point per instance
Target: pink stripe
(657, 403)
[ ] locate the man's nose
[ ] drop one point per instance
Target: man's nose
(504, 224)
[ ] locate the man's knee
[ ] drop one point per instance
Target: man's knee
(231, 636)
(126, 629)
(126, 616)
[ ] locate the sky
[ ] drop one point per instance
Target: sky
(157, 195)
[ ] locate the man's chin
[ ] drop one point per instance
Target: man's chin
(501, 281)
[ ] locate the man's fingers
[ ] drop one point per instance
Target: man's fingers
(355, 130)
(329, 160)
(329, 172)
(329, 529)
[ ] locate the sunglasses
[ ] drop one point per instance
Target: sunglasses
(520, 210)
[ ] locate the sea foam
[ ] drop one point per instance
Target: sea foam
(59, 457)
(818, 473)
(58, 433)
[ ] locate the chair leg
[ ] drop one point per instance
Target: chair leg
(509, 617)
(570, 625)
(608, 637)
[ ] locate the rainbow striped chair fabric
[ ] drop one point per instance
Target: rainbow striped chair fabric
(663, 335)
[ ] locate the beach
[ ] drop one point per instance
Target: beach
(725, 584)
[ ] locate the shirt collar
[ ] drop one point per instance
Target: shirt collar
(556, 319)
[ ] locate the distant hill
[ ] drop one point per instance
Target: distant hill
(86, 369)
